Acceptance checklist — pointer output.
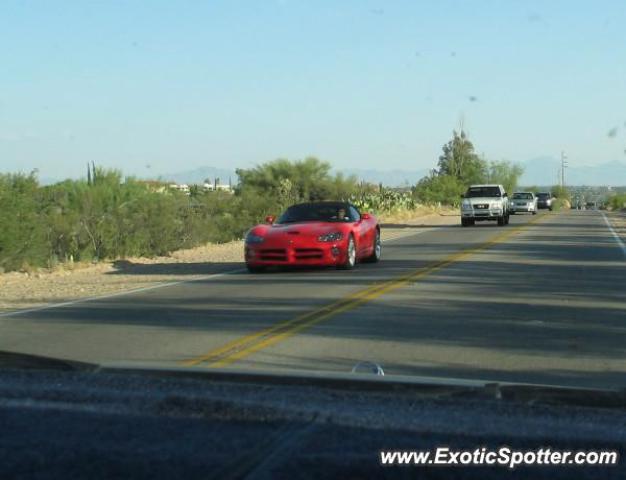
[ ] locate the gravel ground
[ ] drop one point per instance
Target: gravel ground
(26, 290)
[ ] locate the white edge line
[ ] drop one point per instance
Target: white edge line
(118, 294)
(160, 285)
(617, 238)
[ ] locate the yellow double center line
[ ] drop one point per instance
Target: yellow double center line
(249, 344)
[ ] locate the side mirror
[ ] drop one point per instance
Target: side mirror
(462, 195)
(505, 194)
(270, 219)
(365, 216)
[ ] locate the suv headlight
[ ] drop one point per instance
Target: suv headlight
(496, 206)
(466, 205)
(252, 239)
(330, 237)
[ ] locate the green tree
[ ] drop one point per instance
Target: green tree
(505, 173)
(22, 232)
(439, 189)
(561, 192)
(459, 160)
(301, 180)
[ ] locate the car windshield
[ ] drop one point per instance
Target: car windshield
(543, 195)
(317, 212)
(483, 192)
(523, 196)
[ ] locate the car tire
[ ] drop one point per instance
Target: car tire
(378, 249)
(507, 218)
(350, 260)
(255, 268)
(464, 222)
(534, 212)
(501, 221)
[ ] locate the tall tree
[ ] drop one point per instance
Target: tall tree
(460, 160)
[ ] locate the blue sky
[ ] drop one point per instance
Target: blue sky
(178, 85)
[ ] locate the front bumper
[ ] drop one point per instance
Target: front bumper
(522, 208)
(482, 214)
(321, 254)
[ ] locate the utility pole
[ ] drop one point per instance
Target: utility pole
(563, 167)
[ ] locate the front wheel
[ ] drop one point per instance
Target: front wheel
(350, 260)
(377, 251)
(501, 221)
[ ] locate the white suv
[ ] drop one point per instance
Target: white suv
(485, 202)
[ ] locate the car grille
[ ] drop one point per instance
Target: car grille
(481, 206)
(304, 253)
(279, 254)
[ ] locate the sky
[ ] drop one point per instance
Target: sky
(164, 86)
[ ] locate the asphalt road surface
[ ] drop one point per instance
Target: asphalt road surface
(542, 300)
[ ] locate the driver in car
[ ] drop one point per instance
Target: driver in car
(341, 214)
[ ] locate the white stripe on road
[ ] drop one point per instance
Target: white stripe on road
(161, 285)
(616, 236)
(118, 294)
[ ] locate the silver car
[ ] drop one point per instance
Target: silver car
(523, 202)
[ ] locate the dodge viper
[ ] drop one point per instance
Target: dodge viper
(320, 233)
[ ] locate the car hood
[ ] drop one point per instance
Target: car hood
(474, 200)
(304, 229)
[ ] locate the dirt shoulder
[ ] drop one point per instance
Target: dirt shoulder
(20, 290)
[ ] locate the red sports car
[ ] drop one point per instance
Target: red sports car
(321, 233)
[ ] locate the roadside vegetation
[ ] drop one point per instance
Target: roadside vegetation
(563, 198)
(617, 202)
(108, 216)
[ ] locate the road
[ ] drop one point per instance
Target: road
(541, 300)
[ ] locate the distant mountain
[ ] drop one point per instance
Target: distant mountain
(546, 171)
(198, 175)
(389, 178)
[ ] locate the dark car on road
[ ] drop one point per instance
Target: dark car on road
(544, 200)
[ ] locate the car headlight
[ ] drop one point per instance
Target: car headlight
(252, 239)
(466, 205)
(330, 237)
(496, 206)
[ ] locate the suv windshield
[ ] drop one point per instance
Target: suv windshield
(543, 195)
(474, 192)
(317, 212)
(523, 196)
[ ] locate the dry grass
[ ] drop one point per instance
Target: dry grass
(419, 214)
